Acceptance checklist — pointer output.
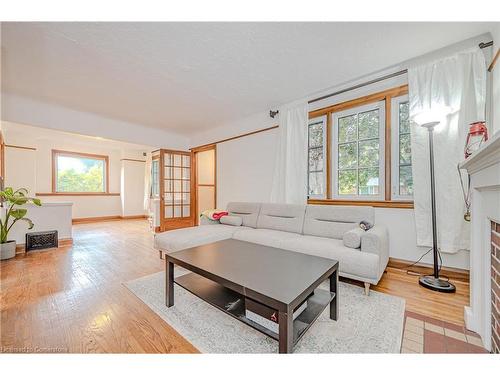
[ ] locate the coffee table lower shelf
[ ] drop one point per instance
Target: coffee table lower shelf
(233, 303)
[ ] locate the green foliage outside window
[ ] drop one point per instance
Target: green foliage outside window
(80, 175)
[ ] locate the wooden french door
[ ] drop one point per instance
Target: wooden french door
(176, 198)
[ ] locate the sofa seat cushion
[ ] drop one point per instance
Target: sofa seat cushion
(351, 261)
(266, 237)
(180, 239)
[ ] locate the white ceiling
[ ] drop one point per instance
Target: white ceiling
(189, 77)
(25, 135)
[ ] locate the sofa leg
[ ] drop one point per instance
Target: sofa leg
(367, 289)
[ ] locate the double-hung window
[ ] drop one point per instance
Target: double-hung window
(358, 153)
(402, 180)
(316, 171)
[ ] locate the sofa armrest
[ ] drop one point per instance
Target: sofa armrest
(376, 241)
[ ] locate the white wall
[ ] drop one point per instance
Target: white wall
(20, 168)
(25, 110)
(50, 216)
(132, 187)
(496, 83)
(257, 157)
(245, 168)
(33, 170)
(235, 128)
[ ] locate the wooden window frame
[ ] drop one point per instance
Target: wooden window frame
(105, 158)
(329, 111)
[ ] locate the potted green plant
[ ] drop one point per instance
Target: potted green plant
(11, 200)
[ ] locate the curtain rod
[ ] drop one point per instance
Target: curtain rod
(383, 78)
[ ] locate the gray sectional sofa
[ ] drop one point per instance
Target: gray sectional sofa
(310, 229)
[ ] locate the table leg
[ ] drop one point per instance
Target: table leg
(169, 285)
(285, 332)
(334, 304)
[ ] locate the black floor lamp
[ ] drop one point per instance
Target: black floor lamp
(433, 281)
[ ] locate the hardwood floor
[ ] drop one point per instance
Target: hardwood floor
(448, 307)
(72, 299)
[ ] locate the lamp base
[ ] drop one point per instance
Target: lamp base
(437, 284)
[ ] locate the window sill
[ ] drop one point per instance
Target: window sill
(76, 194)
(385, 204)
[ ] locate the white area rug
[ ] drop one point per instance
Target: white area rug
(367, 324)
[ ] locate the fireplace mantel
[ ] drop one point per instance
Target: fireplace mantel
(484, 169)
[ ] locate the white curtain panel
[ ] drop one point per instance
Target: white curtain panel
(451, 90)
(290, 174)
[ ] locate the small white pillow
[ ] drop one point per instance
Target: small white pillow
(231, 220)
(352, 238)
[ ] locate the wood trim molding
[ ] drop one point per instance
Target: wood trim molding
(378, 96)
(82, 220)
(62, 242)
(95, 219)
(133, 217)
(2, 155)
(452, 273)
(21, 147)
(170, 151)
(137, 160)
(55, 153)
(208, 145)
(77, 194)
(381, 204)
(494, 61)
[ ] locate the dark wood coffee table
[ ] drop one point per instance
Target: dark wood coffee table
(228, 272)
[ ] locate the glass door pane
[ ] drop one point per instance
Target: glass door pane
(206, 198)
(177, 180)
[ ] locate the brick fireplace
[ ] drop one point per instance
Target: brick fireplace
(495, 287)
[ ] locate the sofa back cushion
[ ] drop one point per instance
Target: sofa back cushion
(334, 221)
(284, 217)
(246, 210)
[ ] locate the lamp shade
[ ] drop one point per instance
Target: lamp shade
(435, 115)
(430, 125)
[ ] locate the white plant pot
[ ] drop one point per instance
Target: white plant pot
(7, 250)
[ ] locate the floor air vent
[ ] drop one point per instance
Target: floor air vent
(41, 240)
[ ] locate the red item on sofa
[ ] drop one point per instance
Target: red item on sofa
(218, 215)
